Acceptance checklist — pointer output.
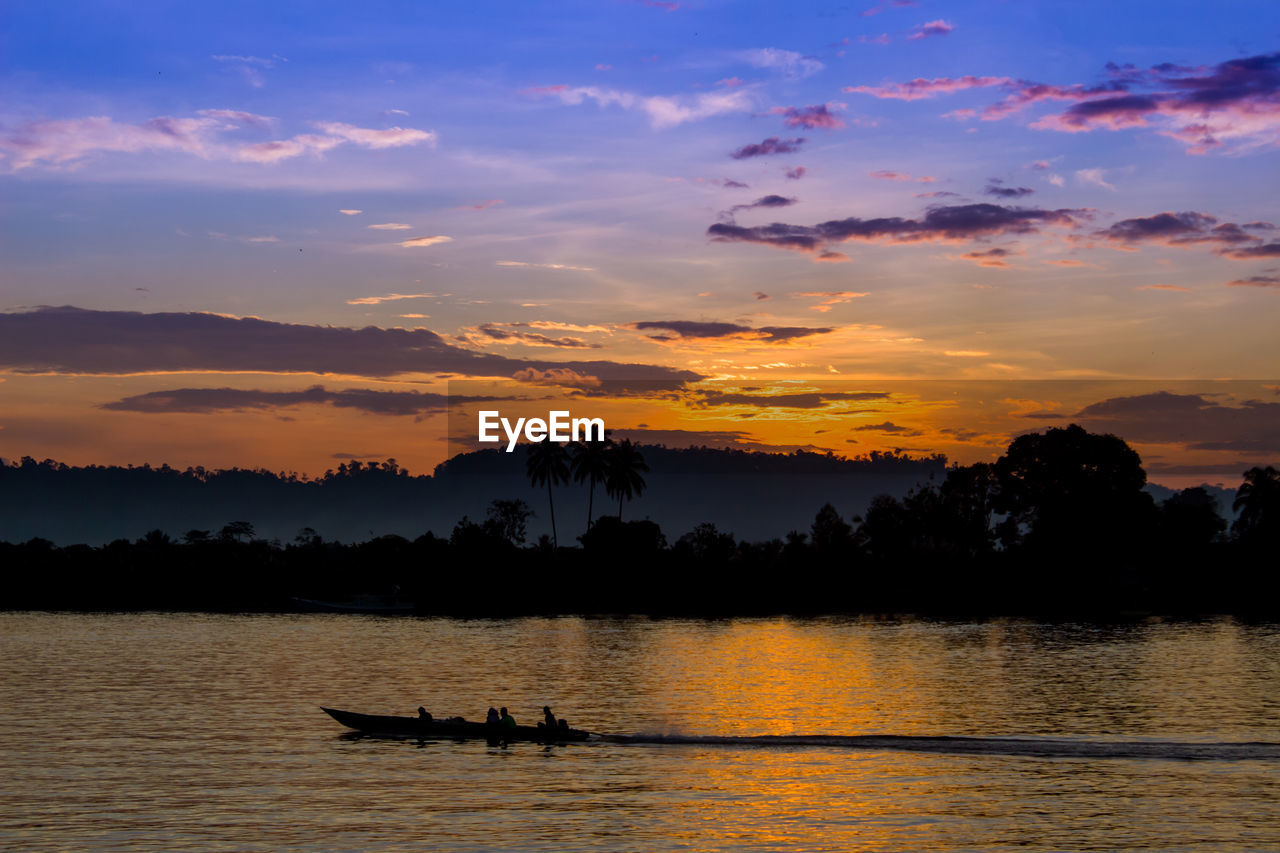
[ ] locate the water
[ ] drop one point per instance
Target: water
(158, 731)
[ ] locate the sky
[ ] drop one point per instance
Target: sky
(262, 235)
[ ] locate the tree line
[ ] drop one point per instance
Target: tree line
(1060, 524)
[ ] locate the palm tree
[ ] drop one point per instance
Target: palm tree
(591, 463)
(1257, 502)
(548, 462)
(623, 479)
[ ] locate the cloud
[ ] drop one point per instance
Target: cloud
(1232, 105)
(829, 298)
(1266, 250)
(938, 27)
(347, 211)
(249, 67)
(769, 201)
(1176, 229)
(881, 39)
(888, 175)
(421, 242)
(772, 145)
(365, 137)
(663, 111)
(801, 400)
(831, 258)
(481, 205)
(700, 330)
(793, 65)
(813, 117)
(55, 142)
(543, 266)
(211, 400)
(1187, 419)
(514, 333)
(990, 258)
(996, 187)
(1256, 281)
(390, 226)
(71, 340)
(795, 173)
(931, 28)
(955, 223)
(1173, 287)
(1094, 177)
(557, 376)
(921, 87)
(888, 427)
(390, 297)
(733, 439)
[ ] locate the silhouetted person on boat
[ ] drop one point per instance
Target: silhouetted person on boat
(507, 721)
(423, 714)
(548, 718)
(492, 718)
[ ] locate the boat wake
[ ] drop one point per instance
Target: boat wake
(1033, 747)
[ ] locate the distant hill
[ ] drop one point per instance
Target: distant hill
(755, 496)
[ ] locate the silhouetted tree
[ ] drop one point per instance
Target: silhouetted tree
(1258, 504)
(967, 502)
(155, 540)
(236, 529)
(830, 533)
(632, 542)
(707, 545)
(1069, 490)
(308, 536)
(624, 480)
(509, 519)
(1190, 520)
(548, 463)
(193, 537)
(590, 462)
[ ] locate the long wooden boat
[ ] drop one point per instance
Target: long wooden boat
(377, 724)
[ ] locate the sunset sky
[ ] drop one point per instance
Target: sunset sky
(245, 234)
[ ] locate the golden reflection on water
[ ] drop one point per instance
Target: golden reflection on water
(165, 731)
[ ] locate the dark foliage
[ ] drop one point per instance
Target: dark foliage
(1058, 527)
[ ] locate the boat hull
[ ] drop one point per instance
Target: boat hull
(391, 726)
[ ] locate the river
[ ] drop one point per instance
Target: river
(204, 732)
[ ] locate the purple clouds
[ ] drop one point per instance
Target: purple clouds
(209, 400)
(770, 201)
(813, 117)
(1234, 104)
(955, 223)
(1177, 229)
(996, 187)
(696, 329)
(79, 340)
(772, 145)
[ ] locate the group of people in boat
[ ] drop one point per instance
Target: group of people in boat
(500, 718)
